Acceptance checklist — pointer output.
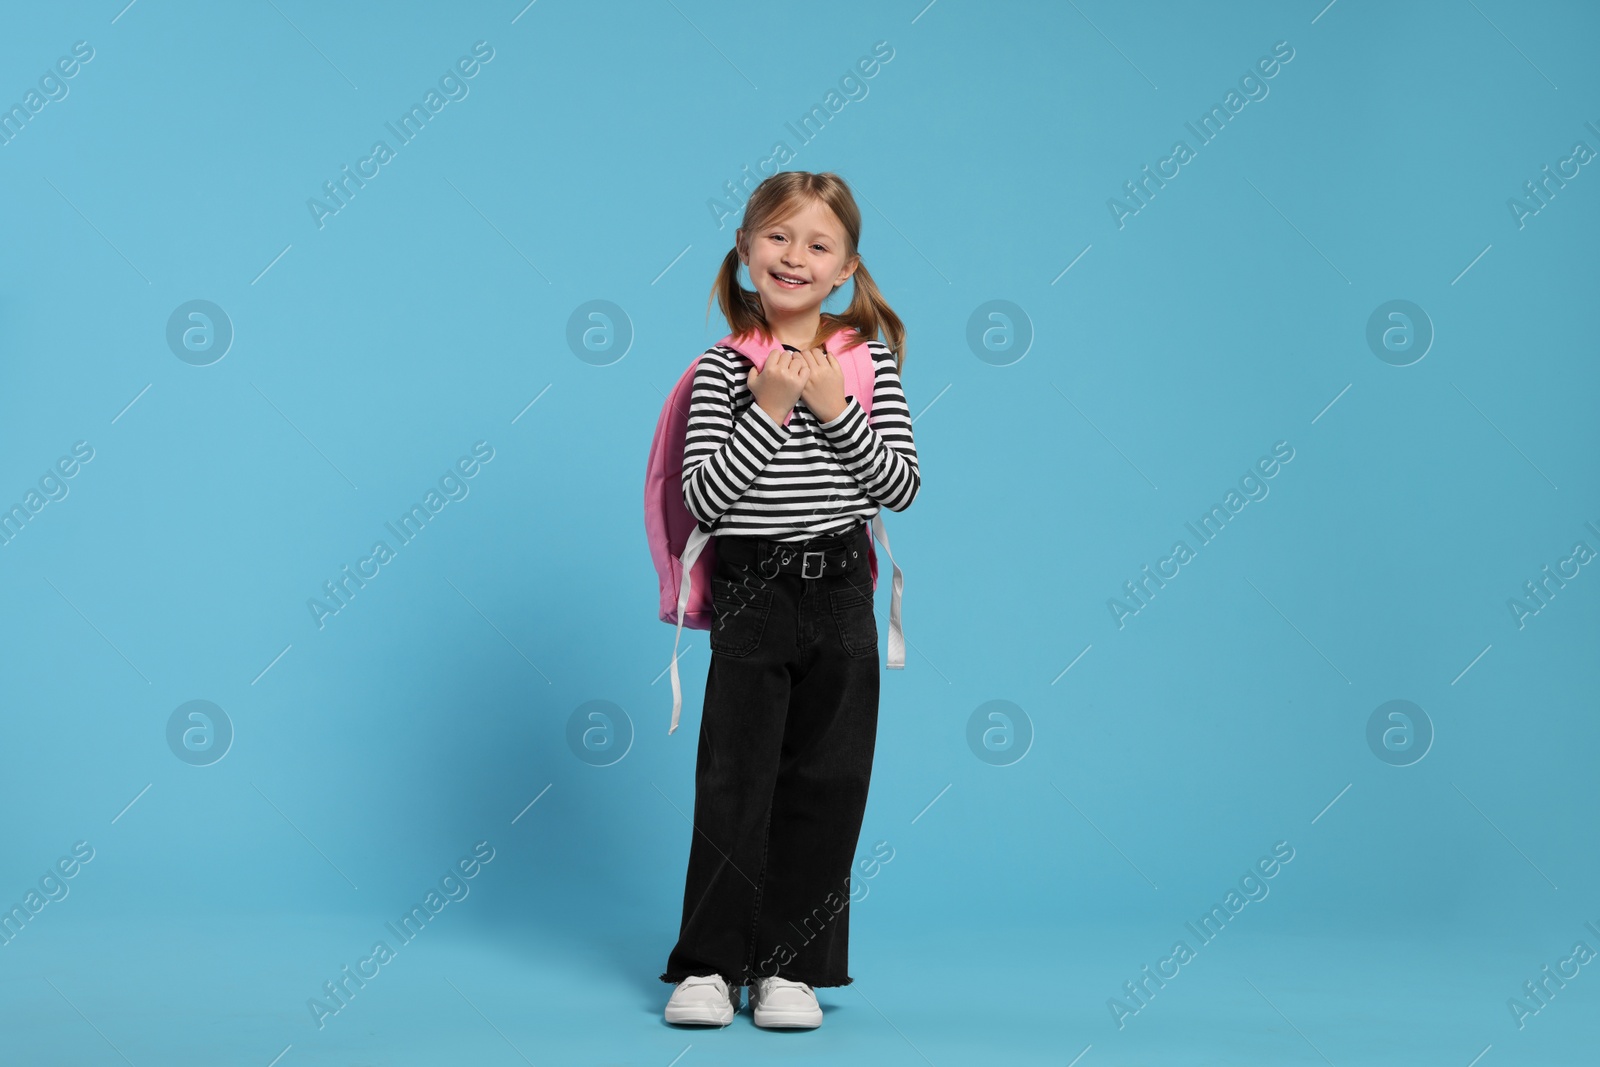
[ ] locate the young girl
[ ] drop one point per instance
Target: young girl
(786, 471)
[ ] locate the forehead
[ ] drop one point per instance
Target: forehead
(813, 217)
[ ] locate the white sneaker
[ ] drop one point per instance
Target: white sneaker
(779, 1002)
(705, 999)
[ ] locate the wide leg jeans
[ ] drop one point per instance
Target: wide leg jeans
(787, 735)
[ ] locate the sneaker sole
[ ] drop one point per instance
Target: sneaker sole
(796, 1020)
(699, 1016)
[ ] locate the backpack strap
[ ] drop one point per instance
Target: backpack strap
(691, 552)
(860, 376)
(897, 637)
(860, 380)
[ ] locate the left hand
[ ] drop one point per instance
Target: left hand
(824, 389)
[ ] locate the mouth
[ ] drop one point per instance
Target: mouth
(788, 281)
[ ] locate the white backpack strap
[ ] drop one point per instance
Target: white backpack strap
(691, 552)
(897, 637)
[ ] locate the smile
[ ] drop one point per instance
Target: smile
(788, 281)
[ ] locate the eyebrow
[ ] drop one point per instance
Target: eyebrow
(815, 233)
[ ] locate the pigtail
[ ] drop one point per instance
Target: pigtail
(869, 313)
(740, 306)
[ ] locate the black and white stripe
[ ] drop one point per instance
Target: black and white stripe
(747, 475)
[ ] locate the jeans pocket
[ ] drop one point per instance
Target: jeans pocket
(739, 616)
(858, 626)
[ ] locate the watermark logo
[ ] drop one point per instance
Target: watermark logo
(1399, 332)
(1138, 592)
(999, 332)
(454, 885)
(52, 487)
(1538, 592)
(1252, 888)
(1537, 995)
(53, 88)
(805, 130)
(199, 332)
(452, 87)
(1399, 733)
(833, 902)
(599, 332)
(199, 733)
(1540, 193)
(999, 732)
(52, 888)
(599, 732)
(1211, 123)
(453, 485)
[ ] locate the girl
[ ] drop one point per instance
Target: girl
(786, 471)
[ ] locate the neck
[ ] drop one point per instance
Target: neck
(797, 329)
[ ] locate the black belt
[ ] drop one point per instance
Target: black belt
(837, 554)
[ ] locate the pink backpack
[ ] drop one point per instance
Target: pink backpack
(683, 553)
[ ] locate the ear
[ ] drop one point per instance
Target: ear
(848, 271)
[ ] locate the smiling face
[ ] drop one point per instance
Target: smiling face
(798, 260)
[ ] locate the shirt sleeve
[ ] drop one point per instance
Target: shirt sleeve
(879, 452)
(721, 455)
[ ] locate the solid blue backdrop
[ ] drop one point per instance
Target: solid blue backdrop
(1339, 347)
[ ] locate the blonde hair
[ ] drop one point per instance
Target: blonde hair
(776, 198)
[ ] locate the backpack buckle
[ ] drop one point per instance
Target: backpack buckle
(805, 563)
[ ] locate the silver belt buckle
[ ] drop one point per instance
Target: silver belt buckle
(805, 563)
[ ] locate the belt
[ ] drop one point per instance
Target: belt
(832, 555)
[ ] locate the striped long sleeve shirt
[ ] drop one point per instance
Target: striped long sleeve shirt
(747, 475)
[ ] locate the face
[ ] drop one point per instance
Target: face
(807, 248)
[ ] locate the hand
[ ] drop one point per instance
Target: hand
(778, 386)
(824, 385)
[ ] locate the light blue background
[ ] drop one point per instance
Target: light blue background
(1228, 314)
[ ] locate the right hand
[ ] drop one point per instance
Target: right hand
(778, 386)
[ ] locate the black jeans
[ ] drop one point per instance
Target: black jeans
(787, 735)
